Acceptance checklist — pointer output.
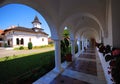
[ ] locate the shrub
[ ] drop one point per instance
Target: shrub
(5, 45)
(21, 48)
(30, 46)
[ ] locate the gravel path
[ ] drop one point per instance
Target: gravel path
(4, 53)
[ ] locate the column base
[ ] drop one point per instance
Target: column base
(58, 70)
(73, 58)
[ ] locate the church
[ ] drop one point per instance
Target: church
(17, 36)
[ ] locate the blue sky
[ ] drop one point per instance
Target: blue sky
(22, 15)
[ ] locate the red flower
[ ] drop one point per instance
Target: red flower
(112, 63)
(116, 52)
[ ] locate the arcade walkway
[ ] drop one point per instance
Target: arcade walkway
(86, 69)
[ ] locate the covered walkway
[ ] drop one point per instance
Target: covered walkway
(86, 69)
(88, 21)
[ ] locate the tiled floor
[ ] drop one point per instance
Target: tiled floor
(84, 66)
(82, 71)
(90, 56)
(86, 69)
(61, 79)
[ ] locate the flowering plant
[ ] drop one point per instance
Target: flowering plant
(112, 55)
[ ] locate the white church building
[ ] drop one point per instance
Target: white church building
(17, 36)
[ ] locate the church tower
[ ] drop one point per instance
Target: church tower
(36, 23)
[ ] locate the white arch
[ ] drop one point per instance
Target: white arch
(42, 12)
(76, 15)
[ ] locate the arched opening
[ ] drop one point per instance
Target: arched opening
(66, 46)
(16, 20)
(17, 41)
(82, 20)
(22, 41)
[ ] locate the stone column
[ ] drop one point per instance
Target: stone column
(82, 44)
(73, 49)
(86, 43)
(57, 56)
(79, 45)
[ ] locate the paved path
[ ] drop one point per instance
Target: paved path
(4, 53)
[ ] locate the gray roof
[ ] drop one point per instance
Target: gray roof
(23, 29)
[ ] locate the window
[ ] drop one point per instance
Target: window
(22, 41)
(9, 42)
(42, 39)
(17, 41)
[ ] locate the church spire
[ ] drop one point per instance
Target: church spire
(36, 23)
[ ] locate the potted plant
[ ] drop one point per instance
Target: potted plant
(68, 54)
(65, 46)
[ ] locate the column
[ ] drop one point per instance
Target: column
(79, 49)
(82, 44)
(86, 43)
(57, 56)
(73, 49)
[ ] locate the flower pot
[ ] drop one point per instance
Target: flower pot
(69, 57)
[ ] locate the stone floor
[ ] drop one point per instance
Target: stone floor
(82, 71)
(61, 79)
(86, 69)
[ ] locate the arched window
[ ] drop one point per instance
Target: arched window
(42, 39)
(17, 41)
(9, 42)
(22, 41)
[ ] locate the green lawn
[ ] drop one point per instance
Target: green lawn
(26, 67)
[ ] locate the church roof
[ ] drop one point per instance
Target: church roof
(23, 29)
(36, 20)
(1, 31)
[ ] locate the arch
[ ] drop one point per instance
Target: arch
(74, 16)
(90, 30)
(41, 10)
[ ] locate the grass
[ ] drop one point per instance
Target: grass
(21, 68)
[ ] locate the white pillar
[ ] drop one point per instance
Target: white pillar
(79, 45)
(57, 56)
(82, 44)
(86, 43)
(73, 49)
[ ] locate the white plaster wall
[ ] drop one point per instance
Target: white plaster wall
(116, 23)
(109, 38)
(36, 39)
